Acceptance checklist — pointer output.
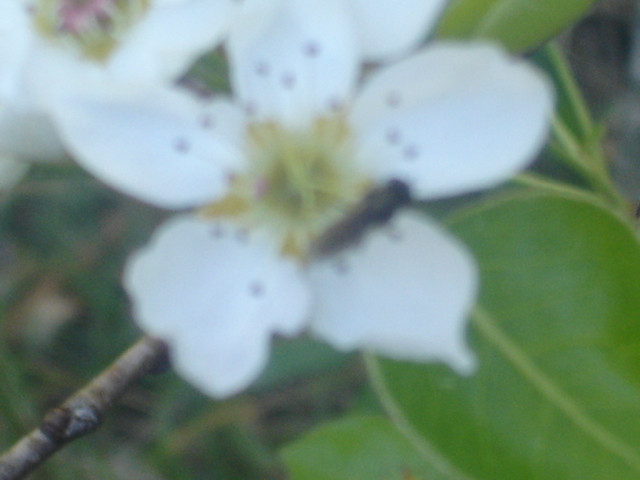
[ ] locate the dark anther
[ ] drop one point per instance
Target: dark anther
(242, 235)
(393, 99)
(250, 108)
(411, 152)
(312, 49)
(393, 136)
(262, 69)
(207, 121)
(335, 104)
(395, 235)
(341, 266)
(288, 80)
(182, 145)
(217, 231)
(256, 289)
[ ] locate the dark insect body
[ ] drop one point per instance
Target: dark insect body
(375, 209)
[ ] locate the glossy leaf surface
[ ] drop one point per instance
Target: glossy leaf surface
(557, 335)
(519, 25)
(357, 448)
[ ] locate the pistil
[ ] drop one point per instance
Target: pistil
(92, 27)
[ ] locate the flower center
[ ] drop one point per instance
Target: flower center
(298, 184)
(92, 27)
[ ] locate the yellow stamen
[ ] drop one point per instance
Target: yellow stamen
(298, 183)
(230, 206)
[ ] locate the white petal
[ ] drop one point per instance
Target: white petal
(405, 292)
(388, 28)
(15, 42)
(453, 118)
(50, 71)
(216, 294)
(158, 145)
(293, 59)
(169, 38)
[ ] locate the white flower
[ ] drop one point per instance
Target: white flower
(300, 144)
(50, 48)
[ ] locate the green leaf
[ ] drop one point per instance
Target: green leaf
(557, 335)
(297, 358)
(571, 107)
(520, 25)
(357, 448)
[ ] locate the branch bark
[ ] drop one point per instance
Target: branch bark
(82, 413)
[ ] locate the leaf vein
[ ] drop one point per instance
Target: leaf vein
(489, 328)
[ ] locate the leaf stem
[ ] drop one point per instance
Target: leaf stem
(540, 182)
(566, 80)
(486, 325)
(580, 160)
(420, 443)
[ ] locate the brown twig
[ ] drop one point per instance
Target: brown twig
(82, 412)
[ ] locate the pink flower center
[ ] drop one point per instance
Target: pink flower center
(94, 28)
(80, 16)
